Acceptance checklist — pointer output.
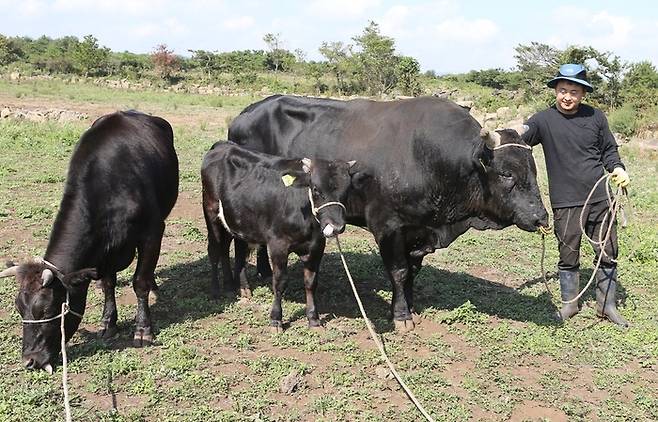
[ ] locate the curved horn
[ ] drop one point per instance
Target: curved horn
(47, 277)
(51, 267)
(307, 164)
(9, 272)
(520, 129)
(491, 139)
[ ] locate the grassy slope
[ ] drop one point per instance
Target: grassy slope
(485, 348)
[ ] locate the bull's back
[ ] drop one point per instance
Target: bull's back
(353, 130)
(388, 135)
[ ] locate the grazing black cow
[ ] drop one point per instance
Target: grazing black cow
(289, 204)
(436, 173)
(122, 183)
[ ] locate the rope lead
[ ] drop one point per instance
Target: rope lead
(377, 341)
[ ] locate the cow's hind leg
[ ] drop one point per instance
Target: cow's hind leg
(279, 259)
(213, 257)
(393, 253)
(240, 269)
(219, 241)
(263, 263)
(230, 284)
(108, 328)
(415, 264)
(148, 252)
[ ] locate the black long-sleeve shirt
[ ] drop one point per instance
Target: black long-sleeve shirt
(577, 149)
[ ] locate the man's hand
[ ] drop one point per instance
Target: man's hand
(620, 177)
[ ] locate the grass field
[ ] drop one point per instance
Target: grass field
(485, 348)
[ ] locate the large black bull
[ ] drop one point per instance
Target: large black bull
(121, 185)
(436, 172)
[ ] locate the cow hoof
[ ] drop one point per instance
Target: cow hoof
(142, 338)
(404, 326)
(316, 326)
(106, 333)
(245, 293)
(415, 318)
(276, 327)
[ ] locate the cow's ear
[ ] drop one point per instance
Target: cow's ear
(296, 178)
(303, 180)
(360, 179)
(482, 156)
(359, 174)
(79, 278)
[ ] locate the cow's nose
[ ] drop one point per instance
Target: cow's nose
(541, 220)
(328, 230)
(29, 363)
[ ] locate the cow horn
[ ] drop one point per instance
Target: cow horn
(351, 163)
(520, 129)
(46, 277)
(9, 272)
(306, 165)
(491, 139)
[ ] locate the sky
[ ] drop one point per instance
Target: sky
(447, 36)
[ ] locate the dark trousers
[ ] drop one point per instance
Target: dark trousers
(567, 231)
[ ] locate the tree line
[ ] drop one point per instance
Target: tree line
(370, 65)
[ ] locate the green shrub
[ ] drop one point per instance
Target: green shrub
(623, 120)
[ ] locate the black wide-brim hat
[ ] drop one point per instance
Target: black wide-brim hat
(574, 73)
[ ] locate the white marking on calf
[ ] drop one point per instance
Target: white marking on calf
(222, 217)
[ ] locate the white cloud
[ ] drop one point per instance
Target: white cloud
(343, 9)
(146, 30)
(241, 22)
(31, 8)
(130, 7)
(161, 30)
(465, 31)
(599, 29)
(396, 20)
(618, 30)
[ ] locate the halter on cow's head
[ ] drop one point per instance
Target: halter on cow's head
(43, 290)
(508, 174)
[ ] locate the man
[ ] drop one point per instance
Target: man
(578, 147)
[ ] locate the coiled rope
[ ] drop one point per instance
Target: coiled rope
(614, 206)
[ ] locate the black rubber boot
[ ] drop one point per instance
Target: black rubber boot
(569, 284)
(606, 296)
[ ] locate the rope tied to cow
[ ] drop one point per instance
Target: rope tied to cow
(378, 342)
(66, 309)
(65, 385)
(512, 145)
(315, 209)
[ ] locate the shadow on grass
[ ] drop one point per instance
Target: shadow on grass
(184, 296)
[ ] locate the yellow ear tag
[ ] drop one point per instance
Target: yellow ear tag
(288, 179)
